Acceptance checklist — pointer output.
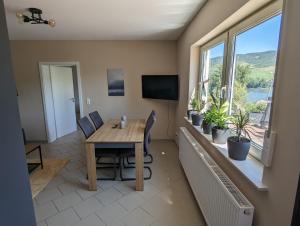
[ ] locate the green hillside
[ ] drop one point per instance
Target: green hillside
(256, 60)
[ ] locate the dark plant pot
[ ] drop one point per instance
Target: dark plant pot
(219, 136)
(189, 114)
(207, 127)
(238, 150)
(197, 119)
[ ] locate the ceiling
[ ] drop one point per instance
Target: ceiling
(104, 19)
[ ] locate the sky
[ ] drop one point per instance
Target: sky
(261, 38)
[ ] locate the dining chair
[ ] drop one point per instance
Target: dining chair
(96, 119)
(98, 122)
(146, 144)
(129, 153)
(88, 129)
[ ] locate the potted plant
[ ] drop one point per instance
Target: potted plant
(220, 120)
(239, 145)
(197, 106)
(207, 123)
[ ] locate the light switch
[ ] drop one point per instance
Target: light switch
(88, 101)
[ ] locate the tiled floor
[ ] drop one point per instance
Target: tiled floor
(166, 201)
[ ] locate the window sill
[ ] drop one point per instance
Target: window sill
(251, 168)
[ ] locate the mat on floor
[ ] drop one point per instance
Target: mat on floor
(39, 178)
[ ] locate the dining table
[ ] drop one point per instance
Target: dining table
(111, 135)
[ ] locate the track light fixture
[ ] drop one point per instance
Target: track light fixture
(34, 18)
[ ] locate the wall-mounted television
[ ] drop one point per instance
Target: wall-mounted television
(160, 87)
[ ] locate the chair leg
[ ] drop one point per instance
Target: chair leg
(114, 167)
(122, 161)
(145, 162)
(103, 163)
(151, 159)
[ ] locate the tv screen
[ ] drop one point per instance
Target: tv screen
(160, 87)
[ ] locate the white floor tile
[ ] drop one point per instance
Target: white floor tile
(67, 201)
(84, 193)
(87, 207)
(65, 218)
(44, 211)
(109, 196)
(125, 187)
(112, 213)
(138, 217)
(131, 201)
(91, 220)
(48, 195)
(157, 206)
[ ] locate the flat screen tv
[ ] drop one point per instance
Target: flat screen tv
(160, 87)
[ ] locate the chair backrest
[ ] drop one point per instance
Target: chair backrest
(149, 124)
(86, 126)
(96, 118)
(153, 113)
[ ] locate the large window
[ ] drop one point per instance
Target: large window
(255, 52)
(245, 63)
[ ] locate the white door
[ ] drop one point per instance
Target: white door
(63, 100)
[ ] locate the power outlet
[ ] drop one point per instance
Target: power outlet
(88, 101)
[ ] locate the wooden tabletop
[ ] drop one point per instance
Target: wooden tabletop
(132, 133)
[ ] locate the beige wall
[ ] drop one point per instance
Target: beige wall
(272, 208)
(135, 57)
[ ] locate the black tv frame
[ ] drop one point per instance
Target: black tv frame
(165, 76)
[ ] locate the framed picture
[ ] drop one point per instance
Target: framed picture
(115, 80)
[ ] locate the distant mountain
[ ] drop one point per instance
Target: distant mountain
(257, 60)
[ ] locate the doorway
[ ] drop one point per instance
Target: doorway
(62, 97)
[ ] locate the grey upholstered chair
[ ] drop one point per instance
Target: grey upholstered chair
(130, 153)
(96, 118)
(147, 141)
(88, 129)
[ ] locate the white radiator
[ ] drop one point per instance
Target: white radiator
(220, 201)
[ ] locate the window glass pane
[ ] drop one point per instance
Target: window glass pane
(252, 86)
(212, 70)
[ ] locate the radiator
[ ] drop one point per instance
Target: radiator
(220, 201)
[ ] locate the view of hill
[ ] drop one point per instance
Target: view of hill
(257, 60)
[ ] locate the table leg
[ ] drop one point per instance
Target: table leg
(139, 167)
(91, 166)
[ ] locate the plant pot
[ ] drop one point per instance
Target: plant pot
(219, 136)
(189, 114)
(206, 127)
(197, 119)
(238, 150)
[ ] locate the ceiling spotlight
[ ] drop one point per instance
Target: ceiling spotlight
(35, 17)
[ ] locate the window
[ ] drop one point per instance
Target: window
(255, 53)
(212, 59)
(244, 60)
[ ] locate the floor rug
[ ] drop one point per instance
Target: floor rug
(39, 178)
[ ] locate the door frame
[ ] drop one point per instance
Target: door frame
(49, 126)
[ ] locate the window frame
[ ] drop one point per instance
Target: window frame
(228, 37)
(223, 38)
